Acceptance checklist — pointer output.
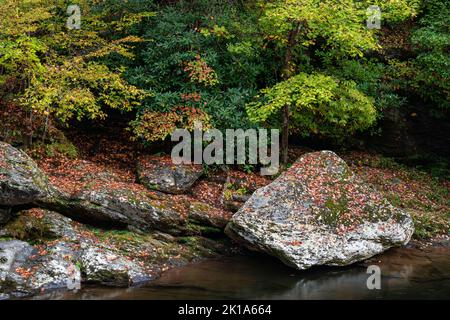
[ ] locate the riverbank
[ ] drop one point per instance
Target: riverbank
(406, 273)
(190, 225)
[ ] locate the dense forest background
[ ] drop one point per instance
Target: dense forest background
(309, 67)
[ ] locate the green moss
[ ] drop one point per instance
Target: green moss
(228, 194)
(332, 215)
(65, 148)
(188, 240)
(202, 229)
(428, 225)
(30, 228)
(200, 207)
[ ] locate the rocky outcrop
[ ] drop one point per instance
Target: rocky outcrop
(203, 215)
(21, 181)
(66, 254)
(156, 174)
(319, 213)
(39, 225)
(121, 208)
(101, 265)
(103, 199)
(138, 210)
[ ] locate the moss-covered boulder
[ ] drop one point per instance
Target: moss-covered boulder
(319, 213)
(39, 225)
(162, 175)
(121, 207)
(21, 181)
(56, 253)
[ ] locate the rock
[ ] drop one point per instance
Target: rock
(135, 209)
(38, 225)
(234, 197)
(319, 213)
(103, 266)
(203, 214)
(26, 271)
(13, 256)
(21, 181)
(56, 269)
(121, 208)
(157, 174)
(71, 254)
(132, 209)
(11, 252)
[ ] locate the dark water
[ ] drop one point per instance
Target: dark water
(406, 273)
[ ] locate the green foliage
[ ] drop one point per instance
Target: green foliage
(177, 62)
(62, 148)
(372, 78)
(432, 64)
(319, 104)
(204, 60)
(60, 73)
(338, 23)
(395, 11)
(429, 225)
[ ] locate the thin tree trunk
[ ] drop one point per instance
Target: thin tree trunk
(287, 73)
(285, 136)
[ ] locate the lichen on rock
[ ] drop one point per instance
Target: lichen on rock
(319, 213)
(21, 181)
(165, 176)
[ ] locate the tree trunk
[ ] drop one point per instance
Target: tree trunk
(287, 73)
(285, 136)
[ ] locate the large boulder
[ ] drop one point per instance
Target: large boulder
(120, 208)
(137, 210)
(319, 213)
(21, 181)
(162, 175)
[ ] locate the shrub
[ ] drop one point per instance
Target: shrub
(319, 105)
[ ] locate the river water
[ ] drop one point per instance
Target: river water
(406, 273)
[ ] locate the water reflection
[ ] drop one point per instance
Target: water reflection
(407, 273)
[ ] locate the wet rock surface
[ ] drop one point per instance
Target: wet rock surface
(319, 213)
(166, 176)
(21, 181)
(65, 254)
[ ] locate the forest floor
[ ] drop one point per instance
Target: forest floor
(425, 197)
